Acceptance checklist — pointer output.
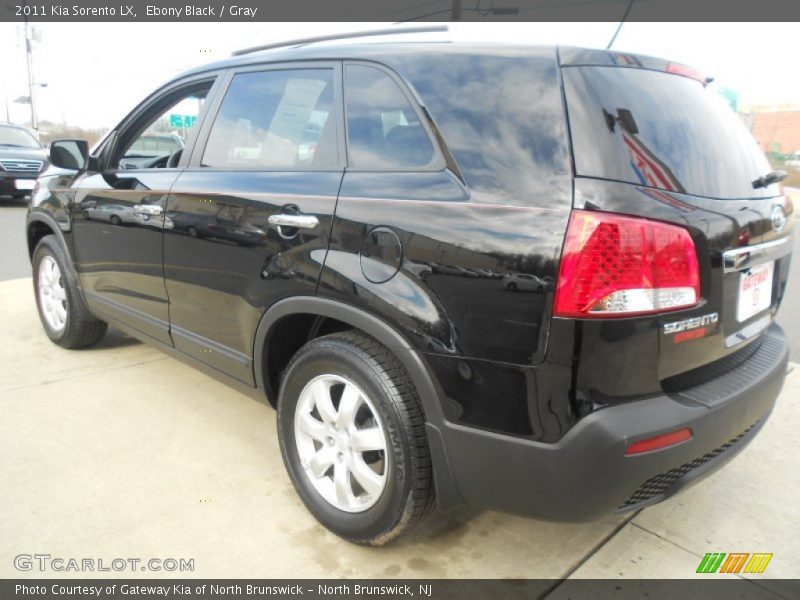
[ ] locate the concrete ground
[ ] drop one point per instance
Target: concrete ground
(121, 451)
(14, 262)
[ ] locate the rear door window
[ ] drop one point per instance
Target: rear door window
(383, 129)
(276, 120)
(660, 130)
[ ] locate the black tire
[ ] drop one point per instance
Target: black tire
(115, 220)
(511, 286)
(192, 232)
(408, 497)
(81, 328)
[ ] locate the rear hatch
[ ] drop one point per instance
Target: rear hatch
(651, 139)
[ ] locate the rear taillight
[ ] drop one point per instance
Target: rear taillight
(616, 266)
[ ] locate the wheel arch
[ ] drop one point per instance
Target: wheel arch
(313, 307)
(40, 224)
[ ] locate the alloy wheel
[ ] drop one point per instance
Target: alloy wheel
(52, 294)
(341, 443)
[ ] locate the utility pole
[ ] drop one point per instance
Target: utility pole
(455, 11)
(31, 87)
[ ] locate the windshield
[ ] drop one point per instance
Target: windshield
(660, 130)
(11, 136)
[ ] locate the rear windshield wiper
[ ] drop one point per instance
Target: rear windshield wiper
(769, 179)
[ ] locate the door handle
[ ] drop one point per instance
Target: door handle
(293, 221)
(148, 209)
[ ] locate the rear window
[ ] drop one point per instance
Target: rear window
(660, 130)
(501, 115)
(383, 131)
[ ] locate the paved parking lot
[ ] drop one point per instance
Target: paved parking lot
(120, 451)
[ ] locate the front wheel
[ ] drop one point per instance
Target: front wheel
(64, 316)
(353, 440)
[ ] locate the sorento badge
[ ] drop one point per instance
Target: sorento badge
(689, 324)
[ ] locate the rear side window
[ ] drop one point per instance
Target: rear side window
(383, 130)
(275, 120)
(660, 130)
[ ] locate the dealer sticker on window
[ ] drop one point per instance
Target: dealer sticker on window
(755, 291)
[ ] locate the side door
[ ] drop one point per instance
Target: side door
(250, 217)
(119, 212)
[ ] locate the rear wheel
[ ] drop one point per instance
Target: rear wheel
(352, 435)
(64, 316)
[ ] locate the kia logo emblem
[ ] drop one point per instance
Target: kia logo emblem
(778, 218)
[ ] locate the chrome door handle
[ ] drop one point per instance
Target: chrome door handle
(294, 221)
(148, 209)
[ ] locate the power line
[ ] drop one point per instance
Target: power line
(616, 33)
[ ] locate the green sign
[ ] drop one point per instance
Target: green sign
(731, 97)
(182, 121)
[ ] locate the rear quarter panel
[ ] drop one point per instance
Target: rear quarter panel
(472, 284)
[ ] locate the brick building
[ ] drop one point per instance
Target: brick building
(776, 128)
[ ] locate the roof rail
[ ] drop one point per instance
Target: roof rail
(344, 36)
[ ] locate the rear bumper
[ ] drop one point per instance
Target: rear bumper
(586, 475)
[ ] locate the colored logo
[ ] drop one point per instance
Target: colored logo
(735, 562)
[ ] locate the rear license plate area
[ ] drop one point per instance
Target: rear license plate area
(755, 291)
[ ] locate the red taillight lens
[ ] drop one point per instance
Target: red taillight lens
(615, 266)
(660, 441)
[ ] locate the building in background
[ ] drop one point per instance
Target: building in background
(776, 128)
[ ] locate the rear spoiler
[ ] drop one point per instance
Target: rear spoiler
(580, 57)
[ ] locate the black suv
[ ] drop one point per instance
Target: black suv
(537, 280)
(22, 158)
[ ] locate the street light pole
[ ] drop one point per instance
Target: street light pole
(31, 87)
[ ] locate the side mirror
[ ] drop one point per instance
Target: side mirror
(70, 154)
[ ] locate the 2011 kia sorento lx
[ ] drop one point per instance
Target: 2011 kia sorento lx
(338, 234)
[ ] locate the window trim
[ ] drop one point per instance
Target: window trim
(108, 148)
(337, 110)
(437, 162)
